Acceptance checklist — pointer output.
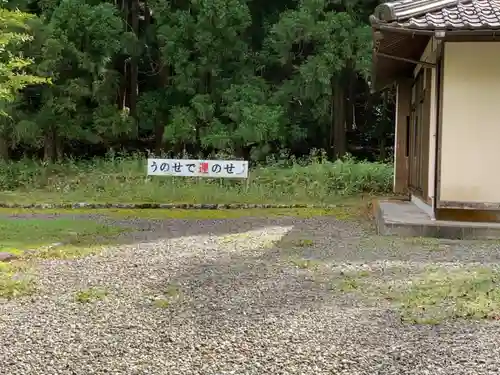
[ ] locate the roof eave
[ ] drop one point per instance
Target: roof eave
(397, 11)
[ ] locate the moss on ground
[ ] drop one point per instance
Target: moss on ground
(90, 295)
(349, 211)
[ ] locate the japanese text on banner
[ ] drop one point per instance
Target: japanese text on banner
(198, 168)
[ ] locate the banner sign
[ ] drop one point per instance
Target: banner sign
(198, 168)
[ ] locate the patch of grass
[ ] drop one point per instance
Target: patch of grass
(294, 246)
(395, 243)
(17, 235)
(71, 251)
(161, 303)
(123, 179)
(349, 284)
(15, 280)
(440, 295)
(305, 263)
(172, 290)
(430, 244)
(171, 293)
(352, 281)
(304, 242)
(90, 295)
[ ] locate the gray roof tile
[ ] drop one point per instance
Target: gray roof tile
(476, 14)
(441, 14)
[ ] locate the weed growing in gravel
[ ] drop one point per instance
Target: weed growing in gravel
(123, 179)
(430, 244)
(161, 303)
(472, 293)
(393, 243)
(304, 242)
(15, 280)
(72, 251)
(90, 295)
(171, 293)
(352, 281)
(294, 245)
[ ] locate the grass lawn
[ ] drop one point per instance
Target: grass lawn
(17, 235)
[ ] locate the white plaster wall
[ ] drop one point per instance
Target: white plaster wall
(470, 138)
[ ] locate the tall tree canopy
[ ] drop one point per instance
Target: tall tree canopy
(248, 77)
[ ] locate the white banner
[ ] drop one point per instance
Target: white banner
(198, 168)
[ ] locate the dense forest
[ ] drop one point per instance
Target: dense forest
(251, 77)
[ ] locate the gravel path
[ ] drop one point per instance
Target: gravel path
(222, 297)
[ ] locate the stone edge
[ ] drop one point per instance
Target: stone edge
(379, 218)
(432, 230)
(140, 206)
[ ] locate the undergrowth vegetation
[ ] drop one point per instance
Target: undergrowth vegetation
(124, 179)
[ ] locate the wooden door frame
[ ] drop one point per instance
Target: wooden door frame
(418, 159)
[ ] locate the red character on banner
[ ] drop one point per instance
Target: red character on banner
(204, 167)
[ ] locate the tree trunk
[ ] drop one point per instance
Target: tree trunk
(147, 15)
(4, 147)
(50, 145)
(158, 135)
(59, 148)
(134, 62)
(338, 119)
(382, 146)
(351, 97)
(121, 61)
(159, 130)
(121, 68)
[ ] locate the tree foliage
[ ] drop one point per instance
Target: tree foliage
(14, 34)
(248, 77)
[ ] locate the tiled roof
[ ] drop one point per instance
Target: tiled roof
(440, 14)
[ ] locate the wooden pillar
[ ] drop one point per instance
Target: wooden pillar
(403, 100)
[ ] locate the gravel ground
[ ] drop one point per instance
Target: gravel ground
(223, 297)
